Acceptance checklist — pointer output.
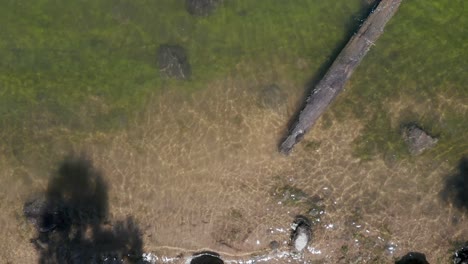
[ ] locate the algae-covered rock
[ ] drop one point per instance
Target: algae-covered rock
(173, 62)
(417, 139)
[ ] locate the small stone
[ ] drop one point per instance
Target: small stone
(274, 245)
(417, 139)
(201, 7)
(173, 62)
(301, 234)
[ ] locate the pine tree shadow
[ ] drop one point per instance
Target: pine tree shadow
(71, 220)
(455, 190)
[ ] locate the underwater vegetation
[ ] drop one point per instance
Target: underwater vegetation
(91, 65)
(414, 74)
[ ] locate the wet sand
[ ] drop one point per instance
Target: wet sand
(201, 171)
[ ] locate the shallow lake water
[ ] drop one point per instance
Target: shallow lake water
(170, 168)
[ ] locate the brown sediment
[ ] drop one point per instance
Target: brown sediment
(199, 168)
(340, 71)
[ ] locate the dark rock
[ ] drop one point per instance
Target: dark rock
(413, 258)
(272, 96)
(274, 245)
(461, 256)
(201, 7)
(173, 62)
(301, 233)
(417, 139)
(206, 257)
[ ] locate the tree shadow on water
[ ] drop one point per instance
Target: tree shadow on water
(71, 220)
(456, 186)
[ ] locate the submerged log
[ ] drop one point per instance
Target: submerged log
(340, 71)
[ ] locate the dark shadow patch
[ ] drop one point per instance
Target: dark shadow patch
(455, 190)
(352, 28)
(413, 258)
(71, 220)
(461, 254)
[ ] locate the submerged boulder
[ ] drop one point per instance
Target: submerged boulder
(173, 62)
(201, 7)
(417, 139)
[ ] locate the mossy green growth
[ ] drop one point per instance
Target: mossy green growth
(414, 72)
(378, 136)
(236, 214)
(344, 250)
(312, 145)
(291, 195)
(311, 206)
(90, 65)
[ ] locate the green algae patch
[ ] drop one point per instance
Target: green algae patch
(293, 197)
(91, 65)
(378, 136)
(414, 73)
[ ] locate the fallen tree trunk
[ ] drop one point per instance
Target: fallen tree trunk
(340, 71)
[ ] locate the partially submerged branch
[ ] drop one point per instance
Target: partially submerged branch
(341, 70)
